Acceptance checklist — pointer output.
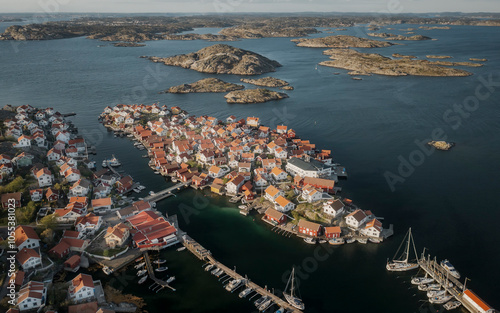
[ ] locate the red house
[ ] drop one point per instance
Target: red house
(124, 185)
(11, 198)
(275, 216)
(324, 184)
(332, 232)
(309, 228)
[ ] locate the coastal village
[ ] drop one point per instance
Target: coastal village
(73, 218)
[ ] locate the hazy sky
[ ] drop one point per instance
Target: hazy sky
(227, 6)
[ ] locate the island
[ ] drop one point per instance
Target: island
(208, 37)
(389, 36)
(128, 44)
(252, 32)
(438, 56)
(478, 59)
(222, 59)
(441, 145)
(370, 63)
(205, 85)
(397, 55)
(434, 27)
(340, 41)
(268, 82)
(259, 95)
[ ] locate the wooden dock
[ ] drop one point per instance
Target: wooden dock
(166, 192)
(204, 254)
(151, 272)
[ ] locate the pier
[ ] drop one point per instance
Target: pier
(160, 195)
(151, 273)
(204, 254)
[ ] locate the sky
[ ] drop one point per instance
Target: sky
(232, 6)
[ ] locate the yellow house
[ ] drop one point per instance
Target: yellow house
(116, 236)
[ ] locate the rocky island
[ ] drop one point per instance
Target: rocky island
(222, 59)
(128, 44)
(254, 96)
(438, 56)
(340, 41)
(208, 37)
(205, 85)
(268, 82)
(370, 63)
(397, 55)
(389, 36)
(478, 59)
(441, 145)
(252, 32)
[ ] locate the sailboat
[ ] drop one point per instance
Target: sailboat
(401, 263)
(290, 297)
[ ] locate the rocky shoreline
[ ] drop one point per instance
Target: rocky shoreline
(259, 95)
(340, 41)
(205, 85)
(388, 36)
(222, 59)
(268, 82)
(252, 32)
(128, 44)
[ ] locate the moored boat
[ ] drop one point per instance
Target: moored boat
(451, 305)
(141, 272)
(402, 263)
(181, 249)
(322, 241)
(421, 280)
(450, 269)
(374, 240)
(440, 299)
(143, 279)
(435, 293)
(310, 241)
(350, 240)
(429, 287)
(137, 266)
(264, 306)
(159, 261)
(161, 269)
(214, 271)
(280, 310)
(233, 284)
(362, 240)
(290, 297)
(245, 292)
(336, 241)
(209, 267)
(170, 279)
(259, 301)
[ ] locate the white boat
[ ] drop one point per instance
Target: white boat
(242, 207)
(245, 292)
(170, 279)
(362, 240)
(143, 279)
(421, 280)
(401, 263)
(290, 297)
(310, 241)
(374, 240)
(451, 305)
(151, 192)
(435, 293)
(141, 272)
(157, 173)
(181, 249)
(161, 269)
(440, 299)
(107, 270)
(219, 273)
(336, 241)
(209, 267)
(233, 284)
(350, 240)
(429, 287)
(259, 301)
(264, 306)
(450, 269)
(137, 266)
(214, 271)
(280, 310)
(141, 187)
(322, 241)
(113, 161)
(159, 261)
(136, 190)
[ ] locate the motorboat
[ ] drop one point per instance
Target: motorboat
(143, 279)
(209, 267)
(141, 272)
(451, 305)
(259, 301)
(245, 292)
(450, 269)
(440, 299)
(233, 284)
(310, 241)
(362, 240)
(170, 279)
(336, 241)
(264, 306)
(159, 261)
(421, 280)
(161, 269)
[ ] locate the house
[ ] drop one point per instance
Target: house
(307, 168)
(280, 153)
(259, 181)
(333, 232)
(26, 237)
(253, 121)
(81, 288)
(216, 188)
(373, 228)
(73, 263)
(102, 205)
(44, 177)
(234, 185)
(283, 205)
(215, 172)
(117, 235)
(356, 219)
(23, 159)
(136, 207)
(320, 183)
(5, 159)
(152, 231)
(272, 193)
(88, 224)
(28, 258)
(278, 174)
(72, 175)
(12, 199)
(274, 216)
(66, 215)
(124, 185)
(80, 188)
(31, 296)
(309, 228)
(333, 207)
(310, 194)
(281, 129)
(52, 194)
(477, 303)
(36, 195)
(23, 142)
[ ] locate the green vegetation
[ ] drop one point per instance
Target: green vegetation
(48, 222)
(26, 214)
(14, 186)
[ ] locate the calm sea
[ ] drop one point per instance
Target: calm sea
(450, 199)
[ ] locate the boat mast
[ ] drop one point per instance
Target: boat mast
(293, 279)
(408, 246)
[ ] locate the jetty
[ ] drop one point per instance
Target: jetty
(165, 193)
(449, 283)
(151, 273)
(228, 274)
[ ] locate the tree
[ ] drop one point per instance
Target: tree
(48, 236)
(14, 186)
(49, 221)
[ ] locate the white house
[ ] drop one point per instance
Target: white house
(23, 142)
(102, 205)
(82, 288)
(234, 185)
(31, 296)
(26, 237)
(63, 136)
(333, 207)
(278, 174)
(311, 194)
(280, 153)
(80, 188)
(72, 175)
(356, 219)
(272, 193)
(88, 224)
(259, 181)
(28, 258)
(283, 205)
(44, 177)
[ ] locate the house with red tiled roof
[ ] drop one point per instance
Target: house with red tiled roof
(51, 194)
(333, 232)
(309, 228)
(28, 258)
(81, 288)
(311, 194)
(36, 194)
(102, 205)
(234, 185)
(31, 296)
(274, 216)
(117, 235)
(283, 205)
(12, 199)
(373, 228)
(88, 224)
(26, 237)
(124, 185)
(272, 193)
